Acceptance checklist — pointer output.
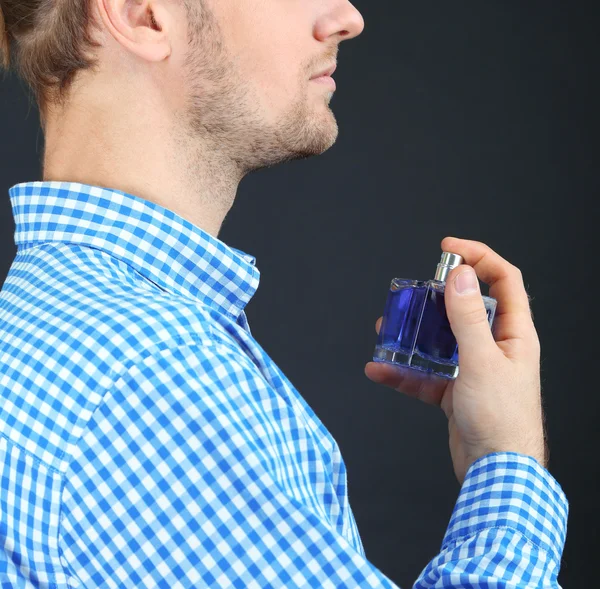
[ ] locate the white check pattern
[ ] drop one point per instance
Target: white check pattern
(148, 440)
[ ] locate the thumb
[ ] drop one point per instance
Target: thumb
(467, 314)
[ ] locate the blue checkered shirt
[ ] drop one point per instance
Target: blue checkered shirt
(148, 440)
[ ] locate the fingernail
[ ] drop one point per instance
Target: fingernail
(466, 282)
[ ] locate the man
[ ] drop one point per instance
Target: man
(146, 438)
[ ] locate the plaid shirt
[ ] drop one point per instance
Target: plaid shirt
(147, 440)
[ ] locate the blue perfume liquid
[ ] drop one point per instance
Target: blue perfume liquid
(415, 331)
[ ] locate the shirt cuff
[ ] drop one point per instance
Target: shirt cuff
(510, 490)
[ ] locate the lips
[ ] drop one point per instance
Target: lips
(326, 73)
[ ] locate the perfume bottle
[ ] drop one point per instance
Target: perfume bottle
(415, 331)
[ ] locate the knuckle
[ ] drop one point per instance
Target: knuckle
(535, 342)
(516, 271)
(525, 348)
(475, 316)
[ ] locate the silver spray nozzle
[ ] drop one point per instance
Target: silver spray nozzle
(447, 262)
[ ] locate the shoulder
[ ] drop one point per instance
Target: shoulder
(78, 321)
(116, 306)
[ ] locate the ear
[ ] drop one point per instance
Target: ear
(141, 26)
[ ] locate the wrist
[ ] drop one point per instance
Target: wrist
(534, 446)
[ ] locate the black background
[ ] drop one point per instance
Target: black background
(472, 119)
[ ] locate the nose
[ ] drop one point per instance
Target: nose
(353, 20)
(344, 20)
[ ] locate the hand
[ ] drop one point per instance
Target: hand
(494, 404)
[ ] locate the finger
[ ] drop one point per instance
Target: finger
(513, 318)
(468, 319)
(426, 387)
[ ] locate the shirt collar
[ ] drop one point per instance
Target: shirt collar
(163, 246)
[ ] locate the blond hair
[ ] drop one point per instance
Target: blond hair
(46, 43)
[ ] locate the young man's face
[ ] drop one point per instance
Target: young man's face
(248, 73)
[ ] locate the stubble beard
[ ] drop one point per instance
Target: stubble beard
(223, 111)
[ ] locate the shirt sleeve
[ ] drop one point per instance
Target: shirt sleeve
(507, 529)
(183, 479)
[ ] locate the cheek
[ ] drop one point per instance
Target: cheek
(266, 54)
(281, 75)
(275, 78)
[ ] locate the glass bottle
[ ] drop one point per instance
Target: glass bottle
(415, 331)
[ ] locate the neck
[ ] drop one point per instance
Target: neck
(105, 145)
